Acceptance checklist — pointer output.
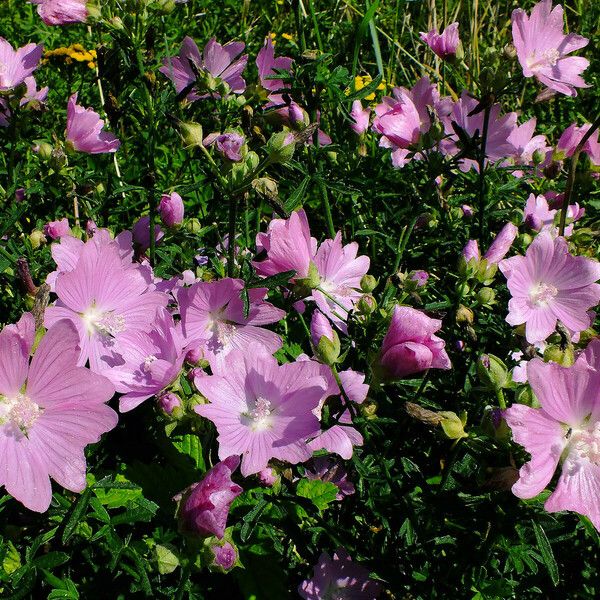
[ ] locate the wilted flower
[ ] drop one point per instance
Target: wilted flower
(443, 44)
(57, 229)
(549, 284)
(17, 65)
(410, 345)
(261, 410)
(171, 209)
(333, 471)
(50, 410)
(62, 12)
(565, 429)
(339, 577)
(204, 507)
(84, 130)
(542, 48)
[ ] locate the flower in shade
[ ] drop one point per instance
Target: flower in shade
(549, 284)
(497, 146)
(212, 317)
(50, 410)
(333, 471)
(527, 147)
(410, 344)
(339, 577)
(288, 246)
(17, 65)
(104, 298)
(565, 429)
(204, 506)
(223, 556)
(443, 44)
(542, 48)
(62, 12)
(261, 410)
(144, 362)
(57, 229)
(171, 209)
(268, 66)
(84, 130)
(141, 233)
(221, 63)
(228, 144)
(360, 117)
(571, 137)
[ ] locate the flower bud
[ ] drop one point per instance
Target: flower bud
(191, 134)
(467, 211)
(43, 150)
(171, 209)
(366, 305)
(280, 147)
(221, 556)
(325, 340)
(453, 425)
(170, 404)
(485, 296)
(492, 372)
(368, 283)
(37, 238)
(464, 315)
(268, 477)
(57, 229)
(564, 357)
(193, 225)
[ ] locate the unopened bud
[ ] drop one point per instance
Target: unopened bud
(37, 238)
(191, 134)
(464, 315)
(485, 296)
(368, 283)
(492, 372)
(280, 147)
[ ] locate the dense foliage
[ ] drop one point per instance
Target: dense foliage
(237, 175)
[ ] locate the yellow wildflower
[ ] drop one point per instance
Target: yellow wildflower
(287, 36)
(74, 52)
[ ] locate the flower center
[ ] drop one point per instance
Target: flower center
(148, 361)
(542, 293)
(259, 414)
(223, 329)
(106, 323)
(20, 412)
(548, 58)
(586, 443)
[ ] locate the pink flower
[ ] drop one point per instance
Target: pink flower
(565, 429)
(33, 98)
(320, 326)
(62, 12)
(225, 557)
(17, 65)
(50, 410)
(104, 298)
(168, 402)
(57, 229)
(501, 244)
(228, 144)
(471, 251)
(261, 410)
(216, 61)
(212, 317)
(399, 123)
(360, 117)
(288, 245)
(339, 578)
(205, 505)
(549, 284)
(340, 271)
(84, 130)
(147, 360)
(171, 209)
(571, 138)
(540, 217)
(498, 145)
(410, 345)
(141, 233)
(542, 48)
(443, 44)
(267, 65)
(526, 145)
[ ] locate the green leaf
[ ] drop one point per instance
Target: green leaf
(117, 493)
(546, 551)
(51, 560)
(320, 493)
(190, 445)
(77, 512)
(297, 196)
(166, 560)
(12, 560)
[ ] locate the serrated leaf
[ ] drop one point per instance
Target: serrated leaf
(190, 445)
(320, 493)
(117, 493)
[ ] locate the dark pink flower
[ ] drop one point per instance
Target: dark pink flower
(410, 345)
(171, 209)
(205, 505)
(443, 44)
(62, 12)
(227, 144)
(57, 229)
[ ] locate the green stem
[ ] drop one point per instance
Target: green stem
(481, 201)
(326, 206)
(233, 202)
(501, 400)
